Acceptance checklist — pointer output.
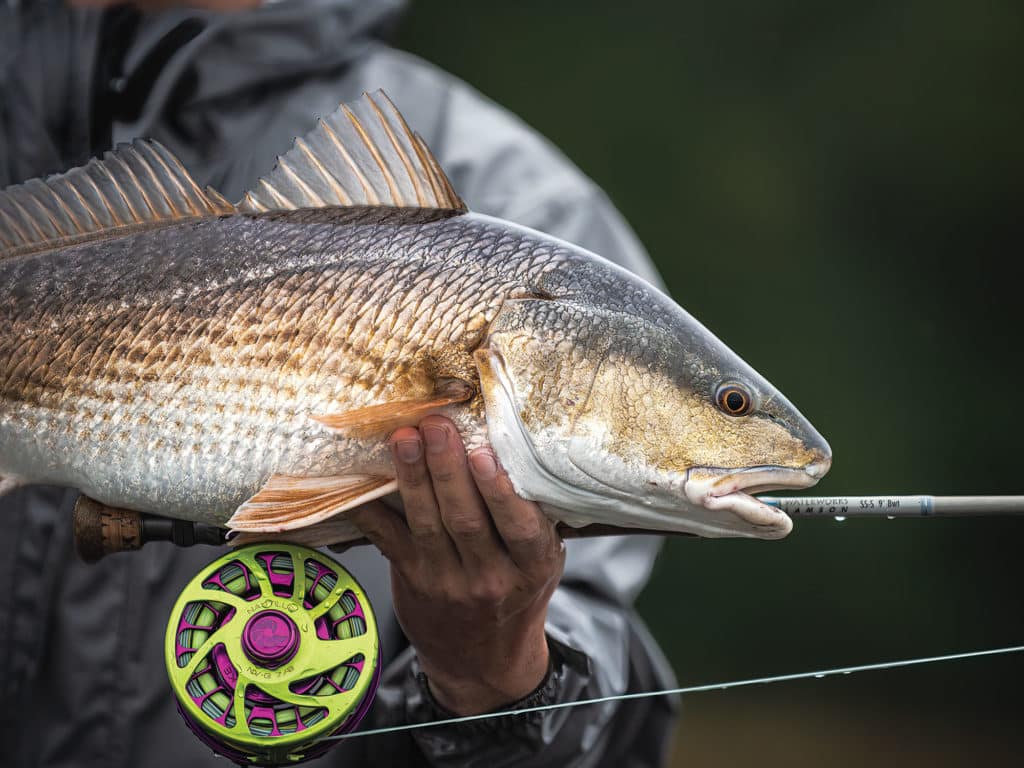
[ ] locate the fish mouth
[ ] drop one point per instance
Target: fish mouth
(732, 491)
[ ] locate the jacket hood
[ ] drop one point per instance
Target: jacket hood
(224, 53)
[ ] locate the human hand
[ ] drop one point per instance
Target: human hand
(473, 567)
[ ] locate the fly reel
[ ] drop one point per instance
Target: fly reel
(269, 649)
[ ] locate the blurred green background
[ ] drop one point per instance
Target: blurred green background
(835, 190)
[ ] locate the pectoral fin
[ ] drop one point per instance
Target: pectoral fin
(387, 417)
(288, 502)
(335, 530)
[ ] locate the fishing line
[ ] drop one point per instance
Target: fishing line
(240, 622)
(688, 689)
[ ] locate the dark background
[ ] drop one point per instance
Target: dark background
(835, 190)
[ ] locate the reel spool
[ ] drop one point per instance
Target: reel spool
(269, 649)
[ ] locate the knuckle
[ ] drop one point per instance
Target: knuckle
(526, 532)
(443, 473)
(487, 590)
(466, 524)
(412, 477)
(453, 595)
(503, 486)
(366, 525)
(425, 532)
(380, 538)
(540, 551)
(496, 496)
(372, 532)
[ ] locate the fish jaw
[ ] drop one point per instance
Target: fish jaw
(709, 502)
(731, 492)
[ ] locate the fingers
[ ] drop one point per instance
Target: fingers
(422, 515)
(384, 528)
(532, 542)
(462, 510)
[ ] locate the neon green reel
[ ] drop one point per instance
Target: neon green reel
(269, 649)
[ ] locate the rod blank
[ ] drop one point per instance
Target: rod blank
(897, 506)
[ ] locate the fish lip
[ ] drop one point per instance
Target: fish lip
(731, 491)
(767, 477)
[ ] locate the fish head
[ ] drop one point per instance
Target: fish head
(603, 415)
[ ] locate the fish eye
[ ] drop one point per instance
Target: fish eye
(734, 400)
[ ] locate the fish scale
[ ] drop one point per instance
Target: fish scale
(237, 382)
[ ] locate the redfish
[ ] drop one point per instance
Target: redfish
(164, 350)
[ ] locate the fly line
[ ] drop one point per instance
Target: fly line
(817, 674)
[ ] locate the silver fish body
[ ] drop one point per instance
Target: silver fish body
(177, 369)
(165, 351)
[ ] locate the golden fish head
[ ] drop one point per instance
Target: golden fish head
(606, 416)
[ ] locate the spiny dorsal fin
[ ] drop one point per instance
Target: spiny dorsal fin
(363, 154)
(134, 185)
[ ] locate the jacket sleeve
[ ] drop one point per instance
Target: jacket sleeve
(599, 645)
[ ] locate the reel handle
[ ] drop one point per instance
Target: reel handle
(101, 530)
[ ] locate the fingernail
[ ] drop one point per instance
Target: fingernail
(436, 438)
(483, 464)
(408, 451)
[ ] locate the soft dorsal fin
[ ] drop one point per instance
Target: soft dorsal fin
(134, 185)
(363, 154)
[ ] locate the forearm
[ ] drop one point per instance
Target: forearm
(594, 653)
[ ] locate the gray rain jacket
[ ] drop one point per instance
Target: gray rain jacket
(82, 679)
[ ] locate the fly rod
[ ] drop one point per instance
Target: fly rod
(896, 506)
(101, 530)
